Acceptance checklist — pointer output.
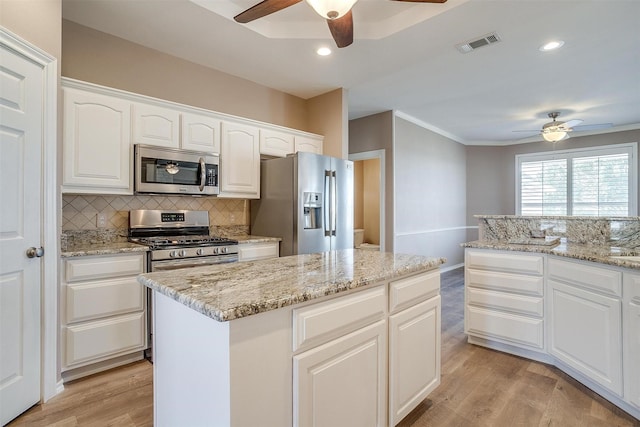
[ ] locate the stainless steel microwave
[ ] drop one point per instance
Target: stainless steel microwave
(172, 171)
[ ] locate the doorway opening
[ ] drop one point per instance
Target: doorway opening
(369, 200)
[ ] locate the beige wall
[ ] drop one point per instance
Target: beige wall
(36, 21)
(100, 58)
(491, 170)
(358, 194)
(367, 199)
(371, 201)
(371, 133)
(328, 116)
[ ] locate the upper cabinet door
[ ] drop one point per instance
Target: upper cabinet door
(154, 125)
(96, 143)
(200, 133)
(305, 143)
(274, 143)
(240, 161)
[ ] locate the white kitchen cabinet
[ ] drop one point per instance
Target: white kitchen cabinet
(414, 343)
(103, 313)
(342, 382)
(631, 339)
(275, 143)
(154, 125)
(200, 133)
(240, 161)
(256, 251)
(504, 298)
(96, 143)
(309, 144)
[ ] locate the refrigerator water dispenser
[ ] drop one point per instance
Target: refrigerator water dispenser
(312, 206)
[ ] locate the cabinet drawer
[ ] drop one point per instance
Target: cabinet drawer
(520, 304)
(93, 300)
(512, 329)
(92, 341)
(505, 282)
(507, 262)
(412, 290)
(249, 252)
(595, 278)
(103, 267)
(315, 324)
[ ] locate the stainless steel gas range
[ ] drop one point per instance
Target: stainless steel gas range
(179, 239)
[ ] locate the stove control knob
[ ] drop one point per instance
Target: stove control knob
(200, 251)
(173, 254)
(224, 250)
(183, 253)
(215, 250)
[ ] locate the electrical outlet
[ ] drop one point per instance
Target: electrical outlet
(232, 218)
(101, 220)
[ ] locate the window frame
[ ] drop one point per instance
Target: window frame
(630, 148)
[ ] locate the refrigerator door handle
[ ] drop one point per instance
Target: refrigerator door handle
(327, 203)
(334, 200)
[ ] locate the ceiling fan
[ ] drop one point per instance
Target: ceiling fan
(555, 130)
(336, 12)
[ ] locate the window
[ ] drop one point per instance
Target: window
(598, 181)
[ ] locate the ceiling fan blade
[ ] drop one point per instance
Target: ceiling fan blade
(263, 8)
(592, 127)
(423, 1)
(572, 123)
(342, 29)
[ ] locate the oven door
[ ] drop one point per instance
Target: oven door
(164, 170)
(175, 264)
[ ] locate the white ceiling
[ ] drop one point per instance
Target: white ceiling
(404, 57)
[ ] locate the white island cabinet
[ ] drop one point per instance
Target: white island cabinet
(315, 353)
(631, 340)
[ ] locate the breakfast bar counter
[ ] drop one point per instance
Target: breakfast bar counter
(345, 337)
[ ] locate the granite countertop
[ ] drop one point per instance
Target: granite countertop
(244, 239)
(587, 252)
(104, 248)
(231, 291)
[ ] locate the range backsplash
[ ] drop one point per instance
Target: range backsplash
(79, 214)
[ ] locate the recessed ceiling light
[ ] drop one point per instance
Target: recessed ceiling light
(323, 51)
(551, 45)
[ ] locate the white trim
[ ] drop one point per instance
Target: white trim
(377, 154)
(451, 267)
(584, 152)
(436, 230)
(49, 317)
(427, 126)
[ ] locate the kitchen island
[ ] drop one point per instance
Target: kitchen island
(345, 337)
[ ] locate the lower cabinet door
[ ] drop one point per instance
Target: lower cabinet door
(414, 357)
(586, 333)
(343, 382)
(91, 342)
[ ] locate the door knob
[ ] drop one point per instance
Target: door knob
(34, 252)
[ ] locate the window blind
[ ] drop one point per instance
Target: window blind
(581, 182)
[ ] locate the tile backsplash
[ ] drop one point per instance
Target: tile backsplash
(79, 212)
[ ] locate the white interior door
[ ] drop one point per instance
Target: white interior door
(21, 136)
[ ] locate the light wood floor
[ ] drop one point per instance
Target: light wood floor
(480, 387)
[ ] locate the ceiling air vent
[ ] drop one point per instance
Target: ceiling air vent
(485, 40)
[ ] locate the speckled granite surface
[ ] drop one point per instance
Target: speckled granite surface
(231, 291)
(102, 249)
(608, 231)
(594, 253)
(254, 239)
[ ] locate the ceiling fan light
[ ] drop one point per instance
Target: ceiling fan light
(331, 9)
(555, 135)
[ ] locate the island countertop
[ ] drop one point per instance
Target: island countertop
(231, 291)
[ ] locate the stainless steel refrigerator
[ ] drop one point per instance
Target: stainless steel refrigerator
(307, 200)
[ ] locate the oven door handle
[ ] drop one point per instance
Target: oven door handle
(192, 262)
(203, 173)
